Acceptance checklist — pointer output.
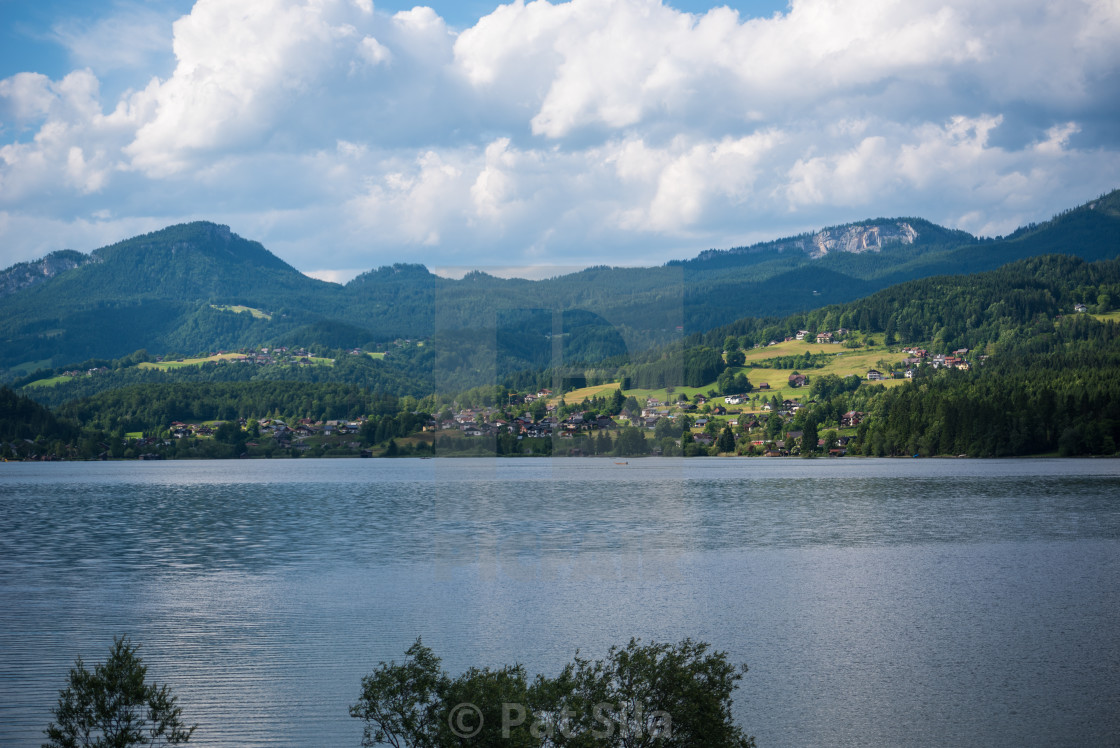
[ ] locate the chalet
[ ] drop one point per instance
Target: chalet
(797, 380)
(802, 334)
(910, 373)
(824, 337)
(764, 385)
(719, 410)
(1080, 308)
(574, 422)
(874, 375)
(734, 399)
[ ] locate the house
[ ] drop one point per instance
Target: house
(1080, 308)
(802, 334)
(764, 385)
(850, 419)
(797, 380)
(909, 374)
(874, 375)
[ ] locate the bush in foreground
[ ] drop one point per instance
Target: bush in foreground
(675, 696)
(113, 706)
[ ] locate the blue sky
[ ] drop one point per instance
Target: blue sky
(349, 134)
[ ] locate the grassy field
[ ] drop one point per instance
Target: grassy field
(237, 309)
(792, 348)
(376, 355)
(166, 365)
(51, 382)
(576, 396)
(844, 362)
(1109, 317)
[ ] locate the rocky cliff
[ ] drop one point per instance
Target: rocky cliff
(26, 274)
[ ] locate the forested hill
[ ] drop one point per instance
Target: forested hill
(1013, 302)
(199, 287)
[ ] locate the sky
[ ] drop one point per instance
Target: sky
(349, 134)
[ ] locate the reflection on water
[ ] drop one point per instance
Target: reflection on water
(877, 602)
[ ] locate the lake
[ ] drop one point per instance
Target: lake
(876, 602)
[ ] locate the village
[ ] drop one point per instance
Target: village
(763, 420)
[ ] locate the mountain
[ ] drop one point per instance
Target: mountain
(199, 287)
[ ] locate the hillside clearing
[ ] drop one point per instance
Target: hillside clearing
(238, 309)
(165, 365)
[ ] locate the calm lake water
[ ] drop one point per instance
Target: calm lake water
(877, 602)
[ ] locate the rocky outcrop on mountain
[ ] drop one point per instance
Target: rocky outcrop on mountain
(26, 274)
(869, 236)
(854, 238)
(861, 238)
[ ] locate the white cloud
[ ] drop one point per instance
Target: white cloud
(27, 97)
(373, 51)
(585, 131)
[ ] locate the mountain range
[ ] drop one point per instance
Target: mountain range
(200, 287)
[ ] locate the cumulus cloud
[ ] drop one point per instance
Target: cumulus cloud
(584, 131)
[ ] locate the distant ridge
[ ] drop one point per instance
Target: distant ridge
(176, 290)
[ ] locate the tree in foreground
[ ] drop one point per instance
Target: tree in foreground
(676, 696)
(113, 706)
